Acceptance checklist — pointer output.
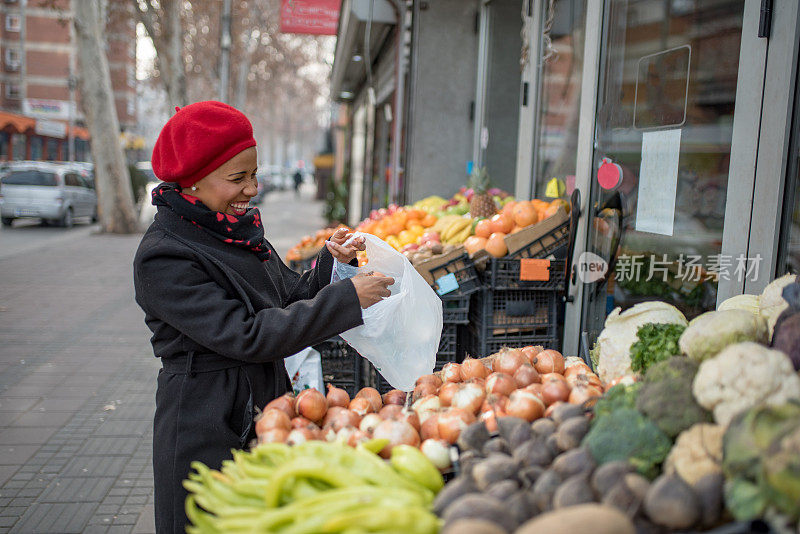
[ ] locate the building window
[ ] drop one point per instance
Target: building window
(37, 146)
(4, 145)
(12, 57)
(18, 146)
(52, 149)
(13, 23)
(13, 91)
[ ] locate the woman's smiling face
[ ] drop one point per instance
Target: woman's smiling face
(230, 187)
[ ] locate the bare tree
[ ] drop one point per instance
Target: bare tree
(162, 21)
(115, 198)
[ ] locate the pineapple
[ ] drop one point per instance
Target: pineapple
(482, 204)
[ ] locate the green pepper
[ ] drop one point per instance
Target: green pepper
(410, 462)
(309, 468)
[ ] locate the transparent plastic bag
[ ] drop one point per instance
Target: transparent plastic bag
(401, 333)
(305, 370)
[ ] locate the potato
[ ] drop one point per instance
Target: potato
(671, 503)
(495, 445)
(546, 485)
(503, 490)
(607, 475)
(495, 468)
(533, 452)
(472, 526)
(709, 489)
(520, 506)
(571, 432)
(474, 437)
(480, 506)
(566, 411)
(582, 519)
(573, 462)
(573, 491)
(544, 427)
(529, 475)
(452, 491)
(467, 460)
(628, 494)
(514, 430)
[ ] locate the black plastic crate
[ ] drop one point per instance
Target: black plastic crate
(455, 309)
(504, 273)
(526, 312)
(480, 345)
(464, 273)
(342, 366)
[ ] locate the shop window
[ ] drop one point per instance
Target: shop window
(4, 137)
(52, 149)
(18, 146)
(37, 147)
(13, 23)
(13, 91)
(789, 249)
(559, 100)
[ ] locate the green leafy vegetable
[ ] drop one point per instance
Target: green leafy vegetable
(655, 342)
(618, 397)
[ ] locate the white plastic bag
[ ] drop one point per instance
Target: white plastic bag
(305, 370)
(401, 333)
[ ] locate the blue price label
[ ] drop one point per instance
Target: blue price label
(447, 284)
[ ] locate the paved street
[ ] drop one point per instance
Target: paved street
(77, 375)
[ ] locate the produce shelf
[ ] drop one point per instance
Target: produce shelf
(342, 366)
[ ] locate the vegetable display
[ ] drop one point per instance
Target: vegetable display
(654, 343)
(314, 487)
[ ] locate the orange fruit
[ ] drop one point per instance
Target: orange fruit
(429, 220)
(516, 229)
(483, 228)
(549, 212)
(525, 214)
(508, 209)
(496, 245)
(501, 223)
(474, 243)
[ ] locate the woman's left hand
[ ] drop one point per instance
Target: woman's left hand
(337, 248)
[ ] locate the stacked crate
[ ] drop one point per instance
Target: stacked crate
(342, 366)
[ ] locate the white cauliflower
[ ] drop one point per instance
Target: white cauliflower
(697, 452)
(613, 346)
(742, 376)
(712, 331)
(771, 301)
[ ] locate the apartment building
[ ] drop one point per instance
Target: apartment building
(39, 101)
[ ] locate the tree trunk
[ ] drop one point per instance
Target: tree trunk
(115, 197)
(175, 77)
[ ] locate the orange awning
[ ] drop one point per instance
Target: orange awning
(19, 122)
(81, 133)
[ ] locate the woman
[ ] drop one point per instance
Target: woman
(223, 308)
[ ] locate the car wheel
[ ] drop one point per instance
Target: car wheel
(7, 221)
(67, 220)
(94, 216)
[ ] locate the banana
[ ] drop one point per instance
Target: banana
(455, 228)
(462, 235)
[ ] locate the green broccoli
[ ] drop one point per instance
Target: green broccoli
(626, 434)
(666, 396)
(655, 343)
(620, 396)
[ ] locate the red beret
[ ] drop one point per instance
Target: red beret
(198, 139)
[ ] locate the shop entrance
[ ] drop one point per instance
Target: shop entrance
(663, 133)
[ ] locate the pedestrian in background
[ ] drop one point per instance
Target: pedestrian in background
(223, 307)
(298, 179)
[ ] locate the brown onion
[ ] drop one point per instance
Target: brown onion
(549, 361)
(423, 390)
(451, 372)
(329, 415)
(273, 418)
(525, 405)
(452, 422)
(526, 375)
(554, 391)
(430, 428)
(508, 361)
(285, 403)
(302, 422)
(536, 389)
(584, 395)
(274, 435)
(369, 422)
(480, 382)
(361, 406)
(494, 402)
(397, 432)
(447, 391)
(530, 352)
(372, 395)
(388, 412)
(553, 377)
(431, 379)
(549, 411)
(425, 406)
(337, 397)
(490, 419)
(577, 369)
(472, 368)
(410, 417)
(357, 437)
(469, 397)
(311, 404)
(394, 396)
(500, 383)
(300, 435)
(343, 418)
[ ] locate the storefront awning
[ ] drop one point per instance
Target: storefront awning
(20, 123)
(348, 63)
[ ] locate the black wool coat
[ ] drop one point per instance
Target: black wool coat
(222, 322)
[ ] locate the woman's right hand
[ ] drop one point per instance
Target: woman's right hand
(371, 288)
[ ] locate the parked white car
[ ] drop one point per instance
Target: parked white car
(57, 193)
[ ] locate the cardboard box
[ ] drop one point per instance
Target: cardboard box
(425, 267)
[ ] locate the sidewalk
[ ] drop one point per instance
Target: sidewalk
(77, 380)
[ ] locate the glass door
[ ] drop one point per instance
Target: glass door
(662, 150)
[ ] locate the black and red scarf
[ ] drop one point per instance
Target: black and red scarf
(245, 232)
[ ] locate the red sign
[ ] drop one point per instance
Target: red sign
(316, 17)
